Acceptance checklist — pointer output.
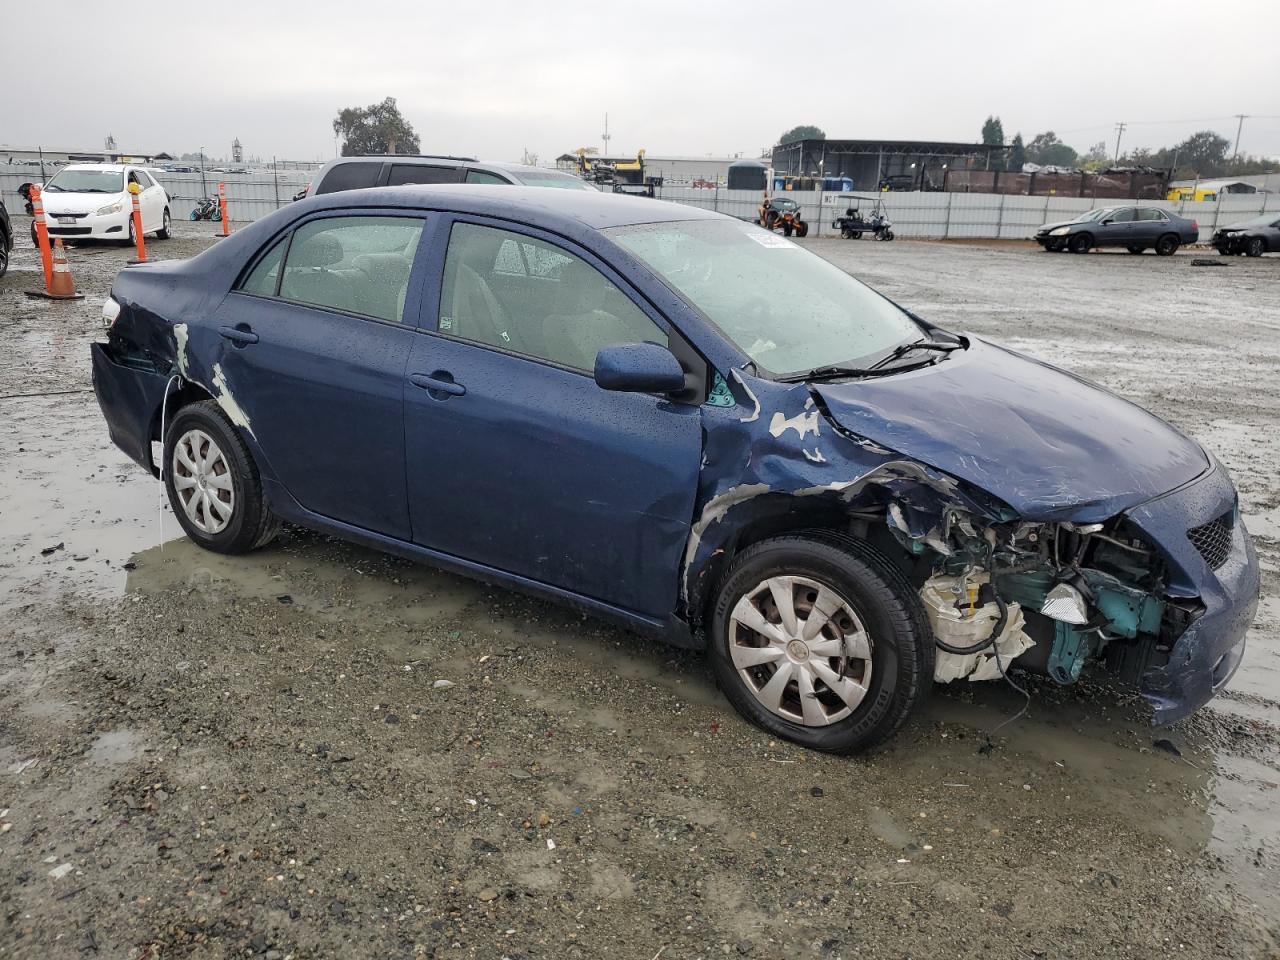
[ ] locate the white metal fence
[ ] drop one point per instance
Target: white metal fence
(920, 215)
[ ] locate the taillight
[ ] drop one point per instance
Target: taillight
(1195, 224)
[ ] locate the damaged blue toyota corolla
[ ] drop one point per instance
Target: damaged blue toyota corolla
(688, 425)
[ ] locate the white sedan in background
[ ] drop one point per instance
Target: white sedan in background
(92, 201)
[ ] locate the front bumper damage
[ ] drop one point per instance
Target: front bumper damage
(1204, 657)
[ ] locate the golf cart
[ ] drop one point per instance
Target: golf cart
(855, 223)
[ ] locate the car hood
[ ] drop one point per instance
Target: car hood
(1049, 444)
(70, 202)
(1057, 224)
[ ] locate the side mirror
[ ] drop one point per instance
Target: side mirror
(638, 368)
(1106, 221)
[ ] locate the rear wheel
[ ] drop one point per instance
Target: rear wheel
(1136, 248)
(1255, 247)
(213, 483)
(816, 638)
(846, 233)
(1167, 245)
(4, 254)
(888, 235)
(802, 229)
(1080, 243)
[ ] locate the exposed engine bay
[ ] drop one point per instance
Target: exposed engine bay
(1052, 595)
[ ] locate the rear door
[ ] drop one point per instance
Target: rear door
(516, 459)
(1152, 224)
(315, 352)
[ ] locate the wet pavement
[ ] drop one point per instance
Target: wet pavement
(212, 757)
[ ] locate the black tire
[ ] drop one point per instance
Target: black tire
(4, 254)
(902, 647)
(846, 233)
(802, 229)
(787, 228)
(1167, 245)
(1080, 243)
(1254, 248)
(166, 231)
(888, 235)
(35, 237)
(252, 525)
(1136, 248)
(857, 234)
(133, 236)
(1224, 251)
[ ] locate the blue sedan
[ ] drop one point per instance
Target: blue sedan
(687, 425)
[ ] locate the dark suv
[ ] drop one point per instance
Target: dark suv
(355, 173)
(6, 239)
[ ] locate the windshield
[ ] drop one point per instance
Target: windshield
(87, 181)
(1095, 214)
(551, 179)
(788, 309)
(1263, 221)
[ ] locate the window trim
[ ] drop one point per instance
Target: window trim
(697, 367)
(408, 318)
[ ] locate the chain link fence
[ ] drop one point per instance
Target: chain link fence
(914, 215)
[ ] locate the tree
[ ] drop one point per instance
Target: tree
(1096, 157)
(376, 129)
(1202, 154)
(1017, 154)
(802, 132)
(1047, 150)
(993, 132)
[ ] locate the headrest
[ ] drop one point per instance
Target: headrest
(318, 250)
(383, 267)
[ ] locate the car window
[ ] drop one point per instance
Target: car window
(402, 173)
(265, 278)
(483, 176)
(1124, 215)
(350, 176)
(355, 264)
(511, 291)
(1151, 213)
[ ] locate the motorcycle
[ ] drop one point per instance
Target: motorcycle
(207, 209)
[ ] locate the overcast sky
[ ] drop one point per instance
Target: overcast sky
(493, 78)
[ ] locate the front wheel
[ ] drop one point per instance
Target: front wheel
(166, 229)
(802, 229)
(1255, 247)
(1167, 245)
(846, 233)
(1080, 243)
(816, 638)
(213, 483)
(888, 235)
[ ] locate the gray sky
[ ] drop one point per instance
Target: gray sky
(491, 78)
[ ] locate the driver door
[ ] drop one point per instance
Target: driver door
(516, 459)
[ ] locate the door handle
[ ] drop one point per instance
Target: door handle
(240, 334)
(434, 383)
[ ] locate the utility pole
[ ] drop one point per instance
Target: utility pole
(1119, 133)
(605, 136)
(1239, 126)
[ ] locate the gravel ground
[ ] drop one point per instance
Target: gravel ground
(319, 751)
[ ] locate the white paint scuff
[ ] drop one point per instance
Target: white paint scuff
(228, 403)
(755, 415)
(802, 423)
(180, 338)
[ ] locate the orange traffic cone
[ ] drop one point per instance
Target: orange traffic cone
(62, 287)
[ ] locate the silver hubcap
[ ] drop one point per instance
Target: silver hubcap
(202, 479)
(801, 650)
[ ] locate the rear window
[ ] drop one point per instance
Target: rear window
(350, 176)
(402, 173)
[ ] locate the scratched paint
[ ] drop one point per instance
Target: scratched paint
(180, 351)
(230, 406)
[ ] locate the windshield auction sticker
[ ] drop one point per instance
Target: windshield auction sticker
(766, 239)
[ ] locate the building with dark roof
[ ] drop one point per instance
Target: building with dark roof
(898, 164)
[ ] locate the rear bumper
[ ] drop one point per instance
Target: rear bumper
(130, 394)
(1207, 654)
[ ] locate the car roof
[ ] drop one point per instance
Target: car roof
(427, 160)
(537, 205)
(105, 167)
